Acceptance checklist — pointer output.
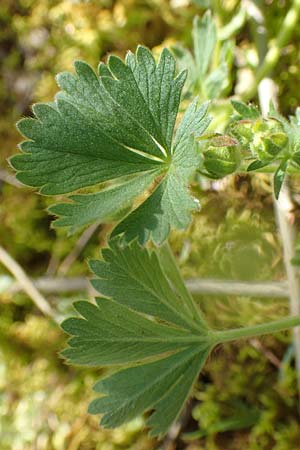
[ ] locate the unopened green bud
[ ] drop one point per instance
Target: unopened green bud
(267, 126)
(269, 138)
(275, 143)
(221, 161)
(242, 132)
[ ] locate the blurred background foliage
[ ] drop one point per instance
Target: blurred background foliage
(247, 396)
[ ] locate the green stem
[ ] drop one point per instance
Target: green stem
(291, 170)
(271, 59)
(255, 330)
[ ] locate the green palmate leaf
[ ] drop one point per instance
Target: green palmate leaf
(147, 322)
(116, 127)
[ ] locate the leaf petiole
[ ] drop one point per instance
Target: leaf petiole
(219, 337)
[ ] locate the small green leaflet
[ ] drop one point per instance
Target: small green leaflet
(145, 323)
(115, 131)
(206, 76)
(204, 39)
(245, 111)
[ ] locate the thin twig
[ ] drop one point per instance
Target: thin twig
(77, 249)
(26, 283)
(273, 289)
(256, 343)
(54, 285)
(287, 232)
(196, 286)
(9, 179)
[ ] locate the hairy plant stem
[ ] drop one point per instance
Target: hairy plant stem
(272, 57)
(219, 337)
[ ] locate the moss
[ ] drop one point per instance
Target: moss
(42, 401)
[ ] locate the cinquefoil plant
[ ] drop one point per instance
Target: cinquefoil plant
(116, 130)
